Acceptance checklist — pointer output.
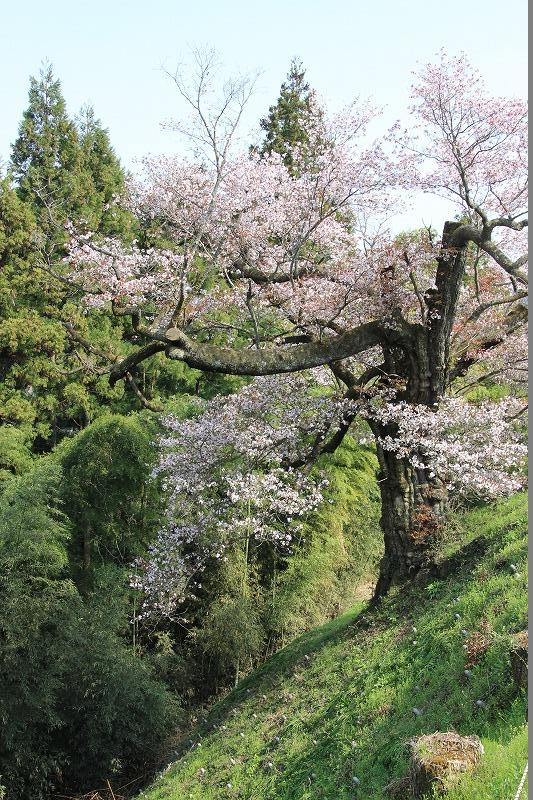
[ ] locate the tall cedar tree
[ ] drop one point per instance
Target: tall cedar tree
(294, 127)
(47, 160)
(107, 177)
(61, 172)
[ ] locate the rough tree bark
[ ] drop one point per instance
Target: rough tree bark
(412, 507)
(414, 500)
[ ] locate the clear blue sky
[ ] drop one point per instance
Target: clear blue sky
(110, 52)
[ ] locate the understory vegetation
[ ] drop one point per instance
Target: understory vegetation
(87, 690)
(332, 713)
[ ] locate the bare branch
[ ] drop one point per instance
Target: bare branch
(143, 400)
(483, 238)
(500, 302)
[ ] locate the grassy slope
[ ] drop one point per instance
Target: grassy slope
(340, 698)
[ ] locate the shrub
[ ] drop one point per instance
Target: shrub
(74, 700)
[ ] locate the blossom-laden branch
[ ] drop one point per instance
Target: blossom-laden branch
(226, 475)
(471, 148)
(475, 448)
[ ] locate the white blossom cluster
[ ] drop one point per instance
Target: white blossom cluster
(229, 477)
(477, 448)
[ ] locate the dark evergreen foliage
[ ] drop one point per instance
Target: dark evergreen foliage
(294, 126)
(76, 702)
(47, 160)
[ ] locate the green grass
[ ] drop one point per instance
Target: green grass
(338, 702)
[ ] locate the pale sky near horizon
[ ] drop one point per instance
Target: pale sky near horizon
(110, 53)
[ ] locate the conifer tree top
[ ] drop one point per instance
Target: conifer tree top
(66, 169)
(292, 127)
(45, 129)
(46, 159)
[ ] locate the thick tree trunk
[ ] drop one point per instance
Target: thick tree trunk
(413, 503)
(414, 500)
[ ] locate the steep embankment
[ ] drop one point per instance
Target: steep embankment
(329, 716)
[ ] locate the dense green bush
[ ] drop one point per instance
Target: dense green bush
(115, 714)
(231, 635)
(15, 455)
(76, 704)
(107, 492)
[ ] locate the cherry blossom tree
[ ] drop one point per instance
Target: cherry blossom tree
(267, 273)
(236, 474)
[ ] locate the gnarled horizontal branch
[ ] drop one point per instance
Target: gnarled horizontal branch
(121, 369)
(271, 361)
(274, 361)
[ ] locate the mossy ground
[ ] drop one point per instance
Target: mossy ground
(337, 704)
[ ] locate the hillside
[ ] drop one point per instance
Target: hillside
(330, 714)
